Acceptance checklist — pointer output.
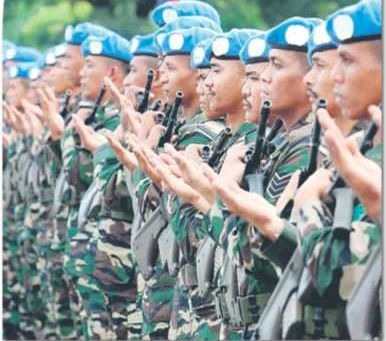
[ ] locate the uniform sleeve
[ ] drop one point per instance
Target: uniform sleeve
(281, 250)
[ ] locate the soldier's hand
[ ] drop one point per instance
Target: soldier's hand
(48, 102)
(251, 206)
(146, 166)
(364, 176)
(32, 109)
(91, 140)
(154, 136)
(118, 97)
(233, 167)
(21, 121)
(148, 122)
(289, 191)
(127, 158)
(180, 188)
(314, 189)
(193, 151)
(192, 173)
(131, 92)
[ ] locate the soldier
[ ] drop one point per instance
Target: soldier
(15, 286)
(107, 56)
(334, 277)
(224, 64)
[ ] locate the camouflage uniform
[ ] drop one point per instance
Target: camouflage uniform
(334, 260)
(10, 280)
(157, 315)
(109, 246)
(77, 168)
(254, 274)
(84, 222)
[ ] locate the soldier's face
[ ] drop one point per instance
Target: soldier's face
(358, 78)
(282, 80)
(251, 91)
(16, 91)
(58, 78)
(72, 63)
(319, 80)
(138, 72)
(92, 75)
(177, 75)
(201, 91)
(224, 84)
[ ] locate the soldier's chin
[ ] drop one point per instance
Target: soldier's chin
(353, 113)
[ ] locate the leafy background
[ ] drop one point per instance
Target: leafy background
(40, 23)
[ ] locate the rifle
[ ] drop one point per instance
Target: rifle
(253, 176)
(97, 104)
(313, 162)
(172, 119)
(146, 94)
(66, 102)
(270, 321)
(360, 310)
(276, 126)
(145, 243)
(212, 157)
(156, 105)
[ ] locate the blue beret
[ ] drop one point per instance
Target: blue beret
(184, 23)
(78, 34)
(53, 53)
(145, 46)
(292, 34)
(20, 70)
(7, 45)
(228, 45)
(35, 71)
(22, 54)
(170, 11)
(112, 46)
(255, 50)
(359, 22)
(201, 53)
(182, 42)
(319, 41)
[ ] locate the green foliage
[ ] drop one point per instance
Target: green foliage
(40, 23)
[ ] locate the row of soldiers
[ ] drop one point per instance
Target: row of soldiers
(193, 183)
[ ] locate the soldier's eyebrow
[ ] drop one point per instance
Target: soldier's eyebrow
(214, 65)
(345, 55)
(274, 59)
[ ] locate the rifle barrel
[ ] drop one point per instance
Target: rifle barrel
(97, 104)
(146, 95)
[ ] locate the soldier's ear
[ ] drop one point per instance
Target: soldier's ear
(113, 73)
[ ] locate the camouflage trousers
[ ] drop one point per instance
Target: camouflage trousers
(157, 305)
(114, 275)
(32, 309)
(73, 268)
(181, 322)
(193, 316)
(206, 325)
(11, 286)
